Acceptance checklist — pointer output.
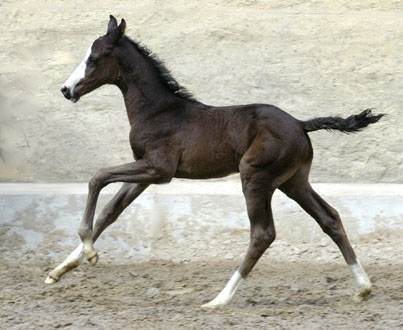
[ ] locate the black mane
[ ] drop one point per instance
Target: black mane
(163, 72)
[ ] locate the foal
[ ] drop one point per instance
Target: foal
(173, 135)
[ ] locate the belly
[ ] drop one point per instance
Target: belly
(207, 165)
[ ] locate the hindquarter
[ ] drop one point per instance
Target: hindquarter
(279, 148)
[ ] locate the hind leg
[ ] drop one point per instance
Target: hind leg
(258, 201)
(127, 193)
(299, 189)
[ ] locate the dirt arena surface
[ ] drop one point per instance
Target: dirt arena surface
(303, 286)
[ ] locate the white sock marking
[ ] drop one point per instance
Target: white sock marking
(89, 250)
(72, 261)
(225, 296)
(360, 276)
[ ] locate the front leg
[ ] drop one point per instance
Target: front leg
(126, 195)
(142, 172)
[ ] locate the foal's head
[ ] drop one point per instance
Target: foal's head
(98, 66)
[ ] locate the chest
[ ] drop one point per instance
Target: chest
(149, 138)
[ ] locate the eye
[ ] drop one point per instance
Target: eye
(93, 60)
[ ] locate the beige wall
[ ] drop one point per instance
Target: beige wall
(309, 59)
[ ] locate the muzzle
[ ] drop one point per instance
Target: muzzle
(68, 95)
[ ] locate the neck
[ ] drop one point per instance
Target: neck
(140, 83)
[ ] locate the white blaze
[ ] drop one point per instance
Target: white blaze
(78, 73)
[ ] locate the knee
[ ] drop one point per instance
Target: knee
(160, 175)
(270, 235)
(334, 214)
(262, 239)
(98, 179)
(334, 228)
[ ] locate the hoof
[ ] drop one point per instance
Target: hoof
(50, 280)
(209, 306)
(212, 305)
(362, 294)
(93, 260)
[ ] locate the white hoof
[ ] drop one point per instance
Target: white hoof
(362, 280)
(93, 260)
(50, 280)
(214, 304)
(361, 294)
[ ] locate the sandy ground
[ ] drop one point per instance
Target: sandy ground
(172, 251)
(298, 286)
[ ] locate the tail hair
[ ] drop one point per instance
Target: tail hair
(350, 124)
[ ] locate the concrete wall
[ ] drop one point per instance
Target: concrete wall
(309, 58)
(202, 216)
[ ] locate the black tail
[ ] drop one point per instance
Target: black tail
(351, 124)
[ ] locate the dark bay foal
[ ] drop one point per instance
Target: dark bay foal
(173, 135)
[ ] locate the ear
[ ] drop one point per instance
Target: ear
(115, 34)
(113, 23)
(122, 28)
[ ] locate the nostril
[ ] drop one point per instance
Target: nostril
(66, 92)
